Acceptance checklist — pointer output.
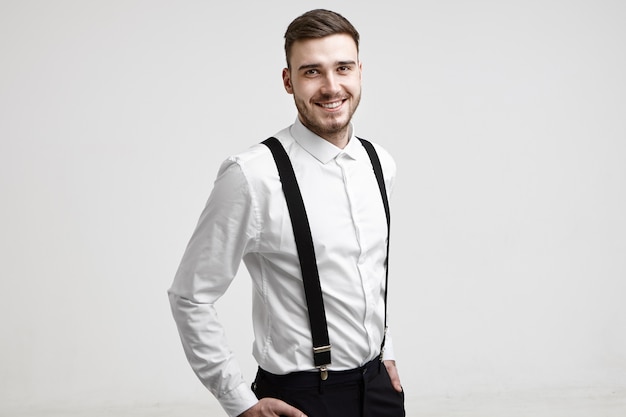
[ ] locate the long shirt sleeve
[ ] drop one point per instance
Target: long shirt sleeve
(223, 234)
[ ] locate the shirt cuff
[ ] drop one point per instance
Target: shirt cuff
(238, 400)
(388, 353)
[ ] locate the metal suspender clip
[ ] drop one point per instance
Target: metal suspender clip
(321, 349)
(323, 372)
(322, 354)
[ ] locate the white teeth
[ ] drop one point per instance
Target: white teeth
(331, 105)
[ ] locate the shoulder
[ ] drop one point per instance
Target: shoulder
(255, 164)
(255, 154)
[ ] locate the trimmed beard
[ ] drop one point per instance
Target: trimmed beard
(333, 127)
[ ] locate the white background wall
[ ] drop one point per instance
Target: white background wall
(508, 123)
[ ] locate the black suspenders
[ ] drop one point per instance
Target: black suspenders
(306, 252)
(378, 171)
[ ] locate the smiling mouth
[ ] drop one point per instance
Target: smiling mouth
(331, 106)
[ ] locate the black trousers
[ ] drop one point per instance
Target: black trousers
(361, 392)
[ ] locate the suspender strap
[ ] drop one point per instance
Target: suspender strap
(306, 251)
(306, 254)
(378, 171)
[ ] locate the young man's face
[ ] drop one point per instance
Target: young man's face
(325, 80)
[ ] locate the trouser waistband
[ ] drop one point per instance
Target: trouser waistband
(310, 379)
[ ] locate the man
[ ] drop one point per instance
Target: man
(247, 218)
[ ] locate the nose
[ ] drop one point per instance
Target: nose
(331, 84)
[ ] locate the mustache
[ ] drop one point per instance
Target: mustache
(330, 97)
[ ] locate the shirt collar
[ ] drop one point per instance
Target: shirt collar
(320, 148)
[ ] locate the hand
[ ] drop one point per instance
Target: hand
(393, 375)
(272, 407)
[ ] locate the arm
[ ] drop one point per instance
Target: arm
(223, 234)
(390, 362)
(389, 169)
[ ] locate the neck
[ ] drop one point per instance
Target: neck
(339, 139)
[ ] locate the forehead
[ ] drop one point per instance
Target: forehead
(326, 50)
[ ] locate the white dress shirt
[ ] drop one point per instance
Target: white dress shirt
(246, 218)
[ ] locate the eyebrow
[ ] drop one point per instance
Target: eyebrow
(312, 66)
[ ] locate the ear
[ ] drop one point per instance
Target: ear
(287, 81)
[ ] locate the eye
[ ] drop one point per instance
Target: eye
(311, 72)
(344, 68)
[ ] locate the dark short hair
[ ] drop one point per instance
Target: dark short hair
(318, 23)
